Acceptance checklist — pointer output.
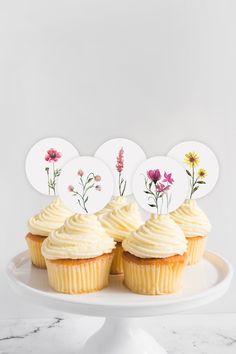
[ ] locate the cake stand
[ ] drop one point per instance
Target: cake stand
(203, 283)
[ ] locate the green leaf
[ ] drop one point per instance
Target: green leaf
(147, 192)
(90, 179)
(86, 199)
(195, 189)
(152, 205)
(201, 182)
(187, 171)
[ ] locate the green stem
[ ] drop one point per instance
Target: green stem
(156, 200)
(49, 191)
(192, 182)
(119, 183)
(54, 179)
(84, 192)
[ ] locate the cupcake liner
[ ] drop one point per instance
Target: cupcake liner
(79, 276)
(117, 263)
(153, 276)
(196, 248)
(34, 243)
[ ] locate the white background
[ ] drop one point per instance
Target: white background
(157, 72)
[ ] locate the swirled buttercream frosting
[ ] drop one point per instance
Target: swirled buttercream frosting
(115, 203)
(50, 218)
(192, 220)
(121, 222)
(81, 237)
(159, 237)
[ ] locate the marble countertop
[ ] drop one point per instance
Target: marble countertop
(179, 334)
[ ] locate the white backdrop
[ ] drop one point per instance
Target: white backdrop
(157, 72)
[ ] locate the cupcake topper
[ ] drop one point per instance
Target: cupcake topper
(85, 185)
(123, 157)
(44, 162)
(160, 185)
(200, 164)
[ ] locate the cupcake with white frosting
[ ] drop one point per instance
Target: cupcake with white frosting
(119, 224)
(115, 203)
(50, 218)
(196, 227)
(154, 257)
(78, 255)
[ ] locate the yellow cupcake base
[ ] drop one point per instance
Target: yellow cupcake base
(79, 276)
(153, 276)
(34, 243)
(117, 263)
(196, 249)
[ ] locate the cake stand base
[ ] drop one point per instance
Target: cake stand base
(203, 283)
(121, 336)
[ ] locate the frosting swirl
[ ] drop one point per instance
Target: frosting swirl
(115, 203)
(81, 237)
(192, 220)
(121, 222)
(159, 237)
(50, 218)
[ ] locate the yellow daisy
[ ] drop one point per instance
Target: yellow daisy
(202, 173)
(192, 159)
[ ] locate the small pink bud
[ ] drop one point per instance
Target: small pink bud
(80, 173)
(98, 178)
(70, 188)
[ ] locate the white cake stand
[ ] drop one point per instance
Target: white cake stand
(203, 283)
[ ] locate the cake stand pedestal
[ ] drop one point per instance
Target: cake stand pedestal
(203, 283)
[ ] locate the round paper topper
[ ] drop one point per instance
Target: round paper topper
(200, 164)
(160, 185)
(44, 162)
(85, 185)
(123, 157)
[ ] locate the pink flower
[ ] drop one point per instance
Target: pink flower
(168, 178)
(52, 155)
(80, 173)
(154, 175)
(97, 178)
(70, 188)
(162, 188)
(120, 160)
(98, 188)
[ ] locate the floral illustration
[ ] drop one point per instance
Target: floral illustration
(52, 156)
(197, 177)
(85, 185)
(119, 168)
(157, 187)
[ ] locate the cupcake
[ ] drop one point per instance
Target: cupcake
(196, 227)
(115, 203)
(154, 257)
(78, 255)
(119, 224)
(50, 218)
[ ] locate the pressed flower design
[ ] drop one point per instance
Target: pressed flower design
(85, 185)
(119, 168)
(157, 187)
(197, 177)
(52, 156)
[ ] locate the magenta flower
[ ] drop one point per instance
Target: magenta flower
(97, 178)
(120, 160)
(70, 188)
(52, 155)
(168, 178)
(154, 175)
(162, 188)
(80, 173)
